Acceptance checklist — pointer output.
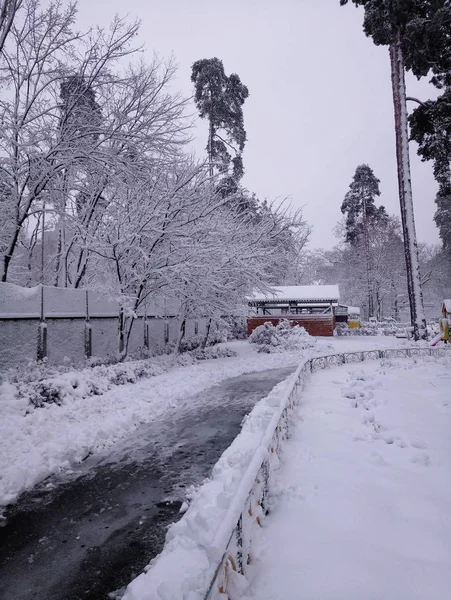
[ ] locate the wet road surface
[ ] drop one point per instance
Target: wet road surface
(81, 536)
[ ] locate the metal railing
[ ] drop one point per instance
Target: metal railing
(238, 543)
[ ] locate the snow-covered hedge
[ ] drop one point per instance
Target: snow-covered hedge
(281, 338)
(35, 385)
(366, 329)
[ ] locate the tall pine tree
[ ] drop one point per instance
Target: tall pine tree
(219, 99)
(361, 215)
(417, 34)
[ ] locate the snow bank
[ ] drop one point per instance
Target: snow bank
(36, 442)
(195, 545)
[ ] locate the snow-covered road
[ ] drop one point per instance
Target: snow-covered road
(82, 535)
(361, 506)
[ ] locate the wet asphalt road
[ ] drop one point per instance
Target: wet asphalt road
(84, 535)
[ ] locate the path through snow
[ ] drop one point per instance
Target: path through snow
(81, 535)
(361, 504)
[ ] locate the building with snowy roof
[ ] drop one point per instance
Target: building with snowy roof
(311, 306)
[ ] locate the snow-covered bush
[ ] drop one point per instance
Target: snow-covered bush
(342, 329)
(213, 352)
(381, 328)
(281, 338)
(191, 343)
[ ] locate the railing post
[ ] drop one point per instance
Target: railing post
(239, 545)
(265, 488)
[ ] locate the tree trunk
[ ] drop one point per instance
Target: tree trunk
(180, 336)
(417, 315)
(210, 148)
(204, 343)
(6, 261)
(395, 306)
(369, 274)
(60, 267)
(122, 348)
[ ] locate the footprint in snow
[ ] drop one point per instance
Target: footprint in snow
(419, 445)
(421, 459)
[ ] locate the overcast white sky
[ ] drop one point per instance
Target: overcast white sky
(320, 95)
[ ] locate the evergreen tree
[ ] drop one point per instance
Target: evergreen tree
(417, 34)
(442, 219)
(220, 99)
(358, 204)
(361, 216)
(430, 127)
(81, 116)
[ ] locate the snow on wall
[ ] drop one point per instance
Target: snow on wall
(105, 336)
(15, 299)
(202, 327)
(64, 302)
(156, 334)
(174, 329)
(18, 342)
(162, 307)
(65, 340)
(101, 306)
(136, 340)
(190, 329)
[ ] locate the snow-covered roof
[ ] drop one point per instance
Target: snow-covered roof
(353, 310)
(296, 293)
(447, 305)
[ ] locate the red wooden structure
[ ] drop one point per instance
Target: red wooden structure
(311, 306)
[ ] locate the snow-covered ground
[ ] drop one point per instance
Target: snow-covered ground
(35, 443)
(361, 505)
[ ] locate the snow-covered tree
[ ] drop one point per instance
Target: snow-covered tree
(219, 99)
(78, 116)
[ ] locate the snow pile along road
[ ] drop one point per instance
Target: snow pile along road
(36, 442)
(361, 507)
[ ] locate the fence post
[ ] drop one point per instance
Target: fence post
(146, 328)
(146, 333)
(88, 330)
(239, 544)
(121, 330)
(42, 330)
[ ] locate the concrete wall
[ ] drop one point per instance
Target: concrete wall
(66, 314)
